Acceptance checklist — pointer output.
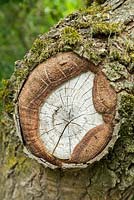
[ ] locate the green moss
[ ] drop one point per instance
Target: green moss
(92, 55)
(40, 50)
(93, 9)
(106, 28)
(20, 74)
(6, 96)
(114, 54)
(125, 85)
(115, 71)
(88, 33)
(129, 44)
(121, 158)
(70, 36)
(126, 112)
(129, 144)
(121, 49)
(41, 43)
(123, 57)
(97, 17)
(132, 56)
(131, 64)
(126, 105)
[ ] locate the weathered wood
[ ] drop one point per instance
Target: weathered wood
(111, 178)
(90, 96)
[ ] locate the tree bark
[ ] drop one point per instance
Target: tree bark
(111, 178)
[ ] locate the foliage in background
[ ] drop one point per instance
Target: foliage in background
(20, 23)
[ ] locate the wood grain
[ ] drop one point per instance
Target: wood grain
(104, 96)
(92, 144)
(42, 81)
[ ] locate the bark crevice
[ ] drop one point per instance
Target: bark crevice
(112, 178)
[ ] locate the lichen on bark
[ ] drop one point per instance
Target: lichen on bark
(95, 34)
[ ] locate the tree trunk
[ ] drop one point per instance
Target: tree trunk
(111, 178)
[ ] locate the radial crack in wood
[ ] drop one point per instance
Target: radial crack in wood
(66, 110)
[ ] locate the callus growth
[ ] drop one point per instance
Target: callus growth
(66, 111)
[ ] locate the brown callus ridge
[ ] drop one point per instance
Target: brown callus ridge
(43, 80)
(92, 143)
(104, 99)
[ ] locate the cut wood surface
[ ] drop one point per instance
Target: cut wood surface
(59, 106)
(103, 38)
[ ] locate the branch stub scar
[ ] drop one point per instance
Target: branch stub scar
(66, 110)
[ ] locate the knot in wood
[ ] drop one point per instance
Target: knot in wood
(66, 111)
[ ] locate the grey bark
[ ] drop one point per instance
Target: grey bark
(112, 178)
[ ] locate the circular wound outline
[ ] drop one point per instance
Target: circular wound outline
(72, 66)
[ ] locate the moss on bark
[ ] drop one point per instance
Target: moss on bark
(94, 34)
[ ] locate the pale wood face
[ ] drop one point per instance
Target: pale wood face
(67, 115)
(66, 109)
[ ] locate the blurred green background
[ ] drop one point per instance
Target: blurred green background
(20, 23)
